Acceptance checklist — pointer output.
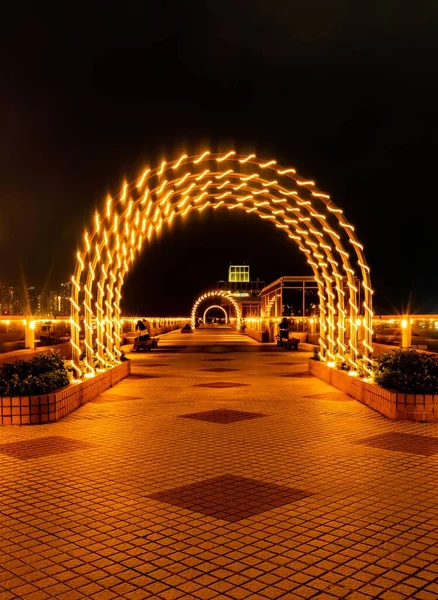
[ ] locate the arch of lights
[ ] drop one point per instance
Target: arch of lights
(218, 294)
(215, 306)
(270, 304)
(173, 189)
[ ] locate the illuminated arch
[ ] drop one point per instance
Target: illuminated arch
(174, 189)
(218, 294)
(215, 306)
(270, 305)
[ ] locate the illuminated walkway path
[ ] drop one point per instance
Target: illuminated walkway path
(219, 470)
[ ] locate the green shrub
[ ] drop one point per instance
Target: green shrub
(46, 362)
(43, 374)
(407, 371)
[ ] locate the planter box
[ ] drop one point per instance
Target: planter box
(395, 405)
(15, 355)
(32, 410)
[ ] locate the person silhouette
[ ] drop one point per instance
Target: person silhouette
(284, 329)
(141, 328)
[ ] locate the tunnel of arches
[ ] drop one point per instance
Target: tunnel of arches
(122, 229)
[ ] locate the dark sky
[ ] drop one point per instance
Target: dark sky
(344, 91)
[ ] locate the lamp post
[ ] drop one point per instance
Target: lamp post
(406, 332)
(29, 335)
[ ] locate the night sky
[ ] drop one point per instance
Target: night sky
(348, 96)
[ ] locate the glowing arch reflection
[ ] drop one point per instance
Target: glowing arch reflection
(233, 181)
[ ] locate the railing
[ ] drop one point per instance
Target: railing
(398, 330)
(418, 331)
(18, 331)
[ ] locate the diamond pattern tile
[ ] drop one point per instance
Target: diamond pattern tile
(42, 447)
(411, 443)
(217, 359)
(80, 525)
(219, 370)
(334, 396)
(224, 416)
(230, 497)
(154, 364)
(220, 384)
(103, 398)
(218, 349)
(287, 363)
(134, 376)
(303, 375)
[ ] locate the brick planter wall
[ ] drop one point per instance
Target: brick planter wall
(48, 408)
(395, 405)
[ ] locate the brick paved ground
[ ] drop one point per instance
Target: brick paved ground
(169, 487)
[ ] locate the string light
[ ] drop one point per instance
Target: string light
(215, 306)
(319, 229)
(218, 294)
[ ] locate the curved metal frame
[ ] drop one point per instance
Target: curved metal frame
(308, 216)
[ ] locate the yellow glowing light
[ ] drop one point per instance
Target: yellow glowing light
(249, 157)
(180, 161)
(226, 156)
(181, 181)
(124, 193)
(109, 250)
(200, 158)
(286, 171)
(268, 164)
(143, 177)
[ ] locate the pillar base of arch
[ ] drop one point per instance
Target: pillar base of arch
(49, 408)
(394, 405)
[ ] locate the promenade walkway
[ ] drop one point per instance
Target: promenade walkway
(219, 469)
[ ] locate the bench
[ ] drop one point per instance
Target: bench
(145, 344)
(291, 343)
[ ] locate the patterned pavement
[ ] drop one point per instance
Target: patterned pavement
(267, 484)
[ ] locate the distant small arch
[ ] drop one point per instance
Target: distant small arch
(215, 306)
(218, 294)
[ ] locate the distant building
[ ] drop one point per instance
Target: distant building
(238, 273)
(65, 295)
(290, 296)
(55, 303)
(7, 300)
(32, 301)
(245, 291)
